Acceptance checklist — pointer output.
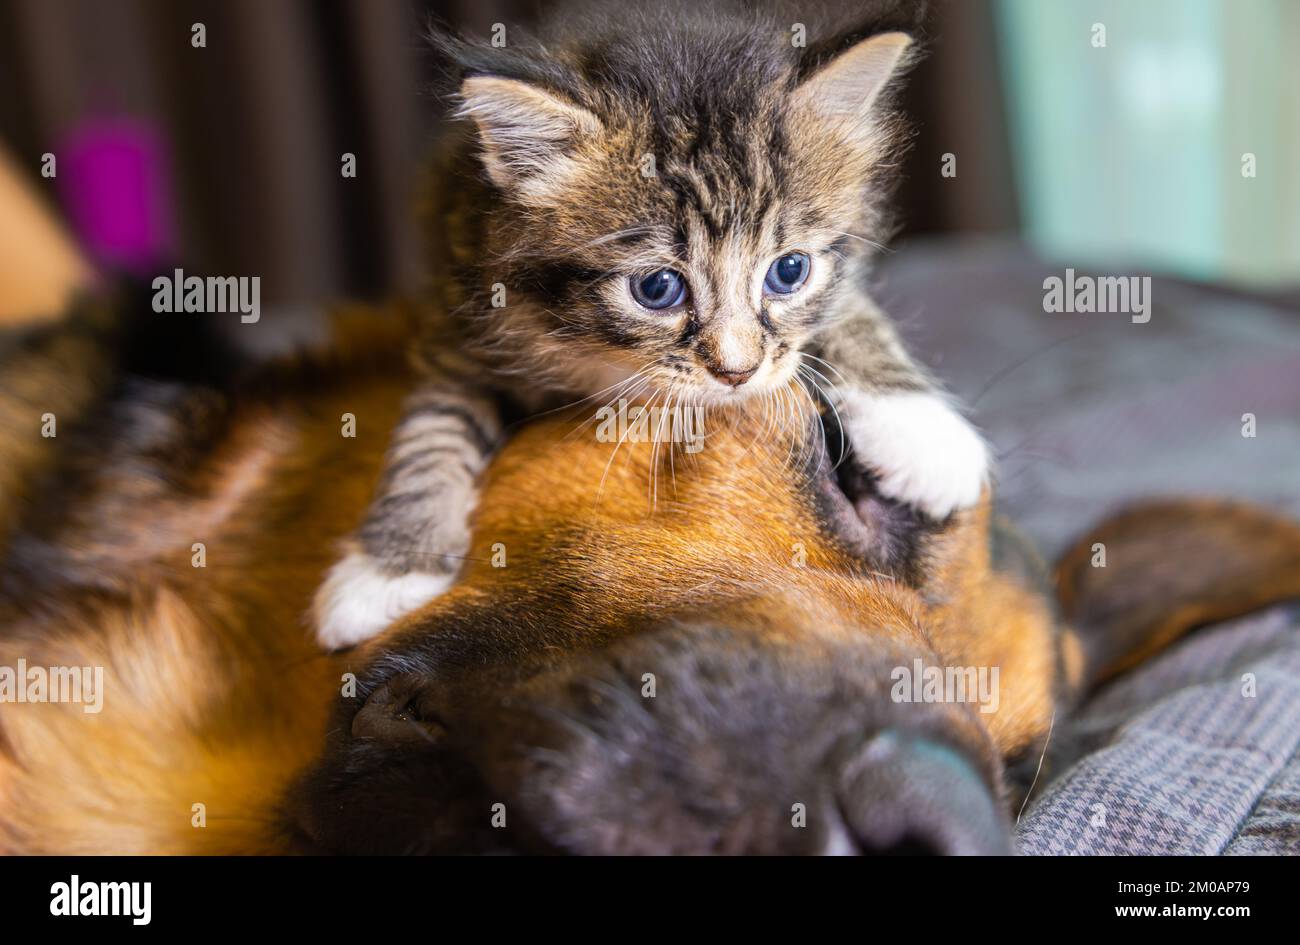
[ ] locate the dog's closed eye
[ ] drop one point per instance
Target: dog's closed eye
(394, 713)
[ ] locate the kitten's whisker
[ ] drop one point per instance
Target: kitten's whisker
(769, 415)
(831, 386)
(560, 318)
(639, 374)
(790, 416)
(666, 414)
(618, 235)
(652, 488)
(838, 372)
(753, 441)
(818, 415)
(601, 489)
(678, 421)
(601, 277)
(826, 398)
(672, 461)
(759, 431)
(793, 413)
(781, 421)
(828, 395)
(626, 394)
(855, 236)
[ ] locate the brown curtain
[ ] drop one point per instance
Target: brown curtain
(255, 123)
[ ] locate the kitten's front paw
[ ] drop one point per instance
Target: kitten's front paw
(359, 599)
(921, 451)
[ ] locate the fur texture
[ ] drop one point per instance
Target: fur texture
(759, 597)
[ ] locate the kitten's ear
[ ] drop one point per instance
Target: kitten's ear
(526, 132)
(846, 86)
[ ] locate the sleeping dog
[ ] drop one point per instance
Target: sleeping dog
(756, 665)
(749, 663)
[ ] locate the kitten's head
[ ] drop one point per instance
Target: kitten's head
(687, 194)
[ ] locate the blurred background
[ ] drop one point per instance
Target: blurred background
(1161, 135)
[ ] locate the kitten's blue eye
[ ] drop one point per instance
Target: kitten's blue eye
(659, 290)
(787, 274)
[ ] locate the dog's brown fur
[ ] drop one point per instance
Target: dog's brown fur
(216, 695)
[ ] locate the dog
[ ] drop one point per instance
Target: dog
(714, 670)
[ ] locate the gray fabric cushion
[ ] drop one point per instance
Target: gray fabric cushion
(1088, 412)
(1185, 762)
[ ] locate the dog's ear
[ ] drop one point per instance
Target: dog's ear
(1143, 578)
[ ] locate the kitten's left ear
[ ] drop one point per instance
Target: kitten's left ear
(526, 132)
(846, 87)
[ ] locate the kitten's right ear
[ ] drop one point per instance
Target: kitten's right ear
(527, 133)
(846, 87)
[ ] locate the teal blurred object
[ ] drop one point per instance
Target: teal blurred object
(1136, 155)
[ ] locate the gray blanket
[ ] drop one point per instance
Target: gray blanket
(1195, 752)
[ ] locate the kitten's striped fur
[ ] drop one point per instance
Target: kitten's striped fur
(617, 144)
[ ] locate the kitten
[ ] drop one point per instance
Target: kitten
(685, 198)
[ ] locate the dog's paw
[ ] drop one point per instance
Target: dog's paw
(920, 450)
(359, 599)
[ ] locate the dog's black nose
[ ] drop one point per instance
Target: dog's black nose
(905, 796)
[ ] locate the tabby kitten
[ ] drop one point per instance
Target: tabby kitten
(674, 198)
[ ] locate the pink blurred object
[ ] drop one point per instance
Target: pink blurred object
(114, 180)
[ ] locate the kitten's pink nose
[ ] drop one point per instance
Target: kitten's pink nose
(734, 378)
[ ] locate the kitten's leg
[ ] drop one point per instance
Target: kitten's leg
(416, 532)
(901, 428)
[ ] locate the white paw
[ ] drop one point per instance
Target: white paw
(923, 452)
(358, 599)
